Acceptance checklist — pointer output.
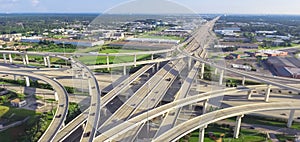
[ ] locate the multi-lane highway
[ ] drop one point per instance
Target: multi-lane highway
(62, 107)
(154, 97)
(171, 117)
(201, 121)
(81, 119)
(133, 102)
(142, 105)
(119, 130)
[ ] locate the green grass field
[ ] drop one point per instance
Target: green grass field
(102, 59)
(162, 37)
(267, 121)
(246, 135)
(3, 110)
(15, 114)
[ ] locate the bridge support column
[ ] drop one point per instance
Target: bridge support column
(48, 62)
(221, 77)
(105, 111)
(244, 80)
(152, 56)
(206, 55)
(10, 58)
(15, 77)
(291, 118)
(124, 70)
(237, 126)
(27, 81)
(127, 96)
(107, 62)
(45, 61)
(201, 134)
(202, 70)
(89, 86)
(134, 60)
(216, 71)
(82, 74)
(4, 58)
(205, 105)
(189, 63)
(267, 95)
(190, 107)
(157, 66)
(56, 96)
(26, 59)
(249, 94)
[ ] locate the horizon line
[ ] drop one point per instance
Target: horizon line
(260, 14)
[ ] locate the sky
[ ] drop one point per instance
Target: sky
(152, 6)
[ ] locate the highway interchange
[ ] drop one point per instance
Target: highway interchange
(100, 123)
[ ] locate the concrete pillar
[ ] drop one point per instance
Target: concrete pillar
(189, 63)
(10, 58)
(237, 126)
(4, 58)
(127, 96)
(267, 95)
(26, 59)
(82, 74)
(244, 80)
(134, 60)
(157, 66)
(153, 69)
(105, 111)
(63, 124)
(216, 71)
(152, 56)
(205, 105)
(291, 118)
(202, 70)
(45, 61)
(15, 77)
(190, 107)
(55, 96)
(107, 62)
(221, 77)
(201, 134)
(27, 81)
(206, 55)
(249, 94)
(48, 62)
(90, 86)
(124, 70)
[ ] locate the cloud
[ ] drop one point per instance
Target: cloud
(35, 2)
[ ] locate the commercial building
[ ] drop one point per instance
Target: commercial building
(285, 66)
(152, 40)
(272, 53)
(241, 67)
(238, 45)
(18, 103)
(83, 43)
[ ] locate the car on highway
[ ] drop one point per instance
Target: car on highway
(58, 116)
(168, 79)
(87, 134)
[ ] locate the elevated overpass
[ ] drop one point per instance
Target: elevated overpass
(61, 96)
(81, 119)
(202, 121)
(118, 130)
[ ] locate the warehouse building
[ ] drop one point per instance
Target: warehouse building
(285, 66)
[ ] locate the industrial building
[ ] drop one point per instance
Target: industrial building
(285, 66)
(272, 53)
